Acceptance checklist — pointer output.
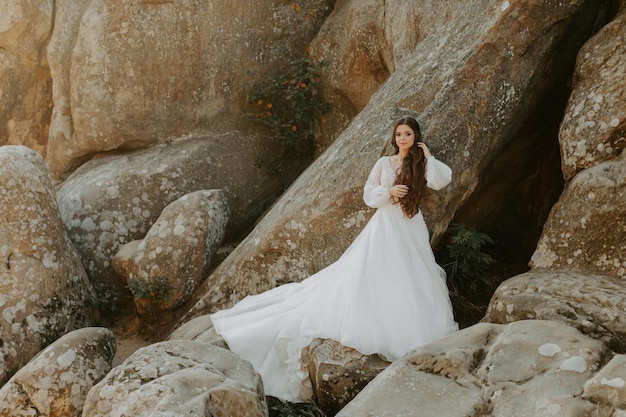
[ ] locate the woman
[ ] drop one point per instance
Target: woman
(385, 294)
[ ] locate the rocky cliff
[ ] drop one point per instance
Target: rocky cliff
(125, 111)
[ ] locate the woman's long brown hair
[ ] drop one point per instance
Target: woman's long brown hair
(413, 169)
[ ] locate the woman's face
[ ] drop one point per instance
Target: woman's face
(405, 137)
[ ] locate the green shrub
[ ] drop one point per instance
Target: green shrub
(109, 299)
(278, 408)
(465, 259)
(287, 99)
(153, 292)
(289, 103)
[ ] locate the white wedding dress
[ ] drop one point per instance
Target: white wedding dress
(385, 294)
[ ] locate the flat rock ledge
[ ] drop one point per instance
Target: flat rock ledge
(523, 369)
(593, 304)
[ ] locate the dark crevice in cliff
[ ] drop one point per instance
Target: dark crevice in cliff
(517, 189)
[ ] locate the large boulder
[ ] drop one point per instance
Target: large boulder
(114, 200)
(130, 75)
(25, 82)
(44, 290)
(361, 43)
(179, 377)
(593, 304)
(594, 124)
(56, 382)
(586, 228)
(527, 368)
(176, 253)
(338, 373)
(473, 86)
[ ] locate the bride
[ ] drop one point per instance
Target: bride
(385, 294)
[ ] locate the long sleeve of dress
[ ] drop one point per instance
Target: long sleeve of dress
(375, 193)
(376, 190)
(438, 174)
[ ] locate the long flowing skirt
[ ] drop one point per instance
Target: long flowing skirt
(385, 294)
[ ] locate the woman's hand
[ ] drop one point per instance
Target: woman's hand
(398, 191)
(425, 149)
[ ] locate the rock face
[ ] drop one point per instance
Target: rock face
(594, 125)
(114, 200)
(585, 230)
(177, 249)
(486, 80)
(26, 92)
(361, 43)
(528, 368)
(357, 60)
(56, 382)
(179, 377)
(473, 86)
(113, 92)
(44, 290)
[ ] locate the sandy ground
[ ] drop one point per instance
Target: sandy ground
(129, 338)
(126, 346)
